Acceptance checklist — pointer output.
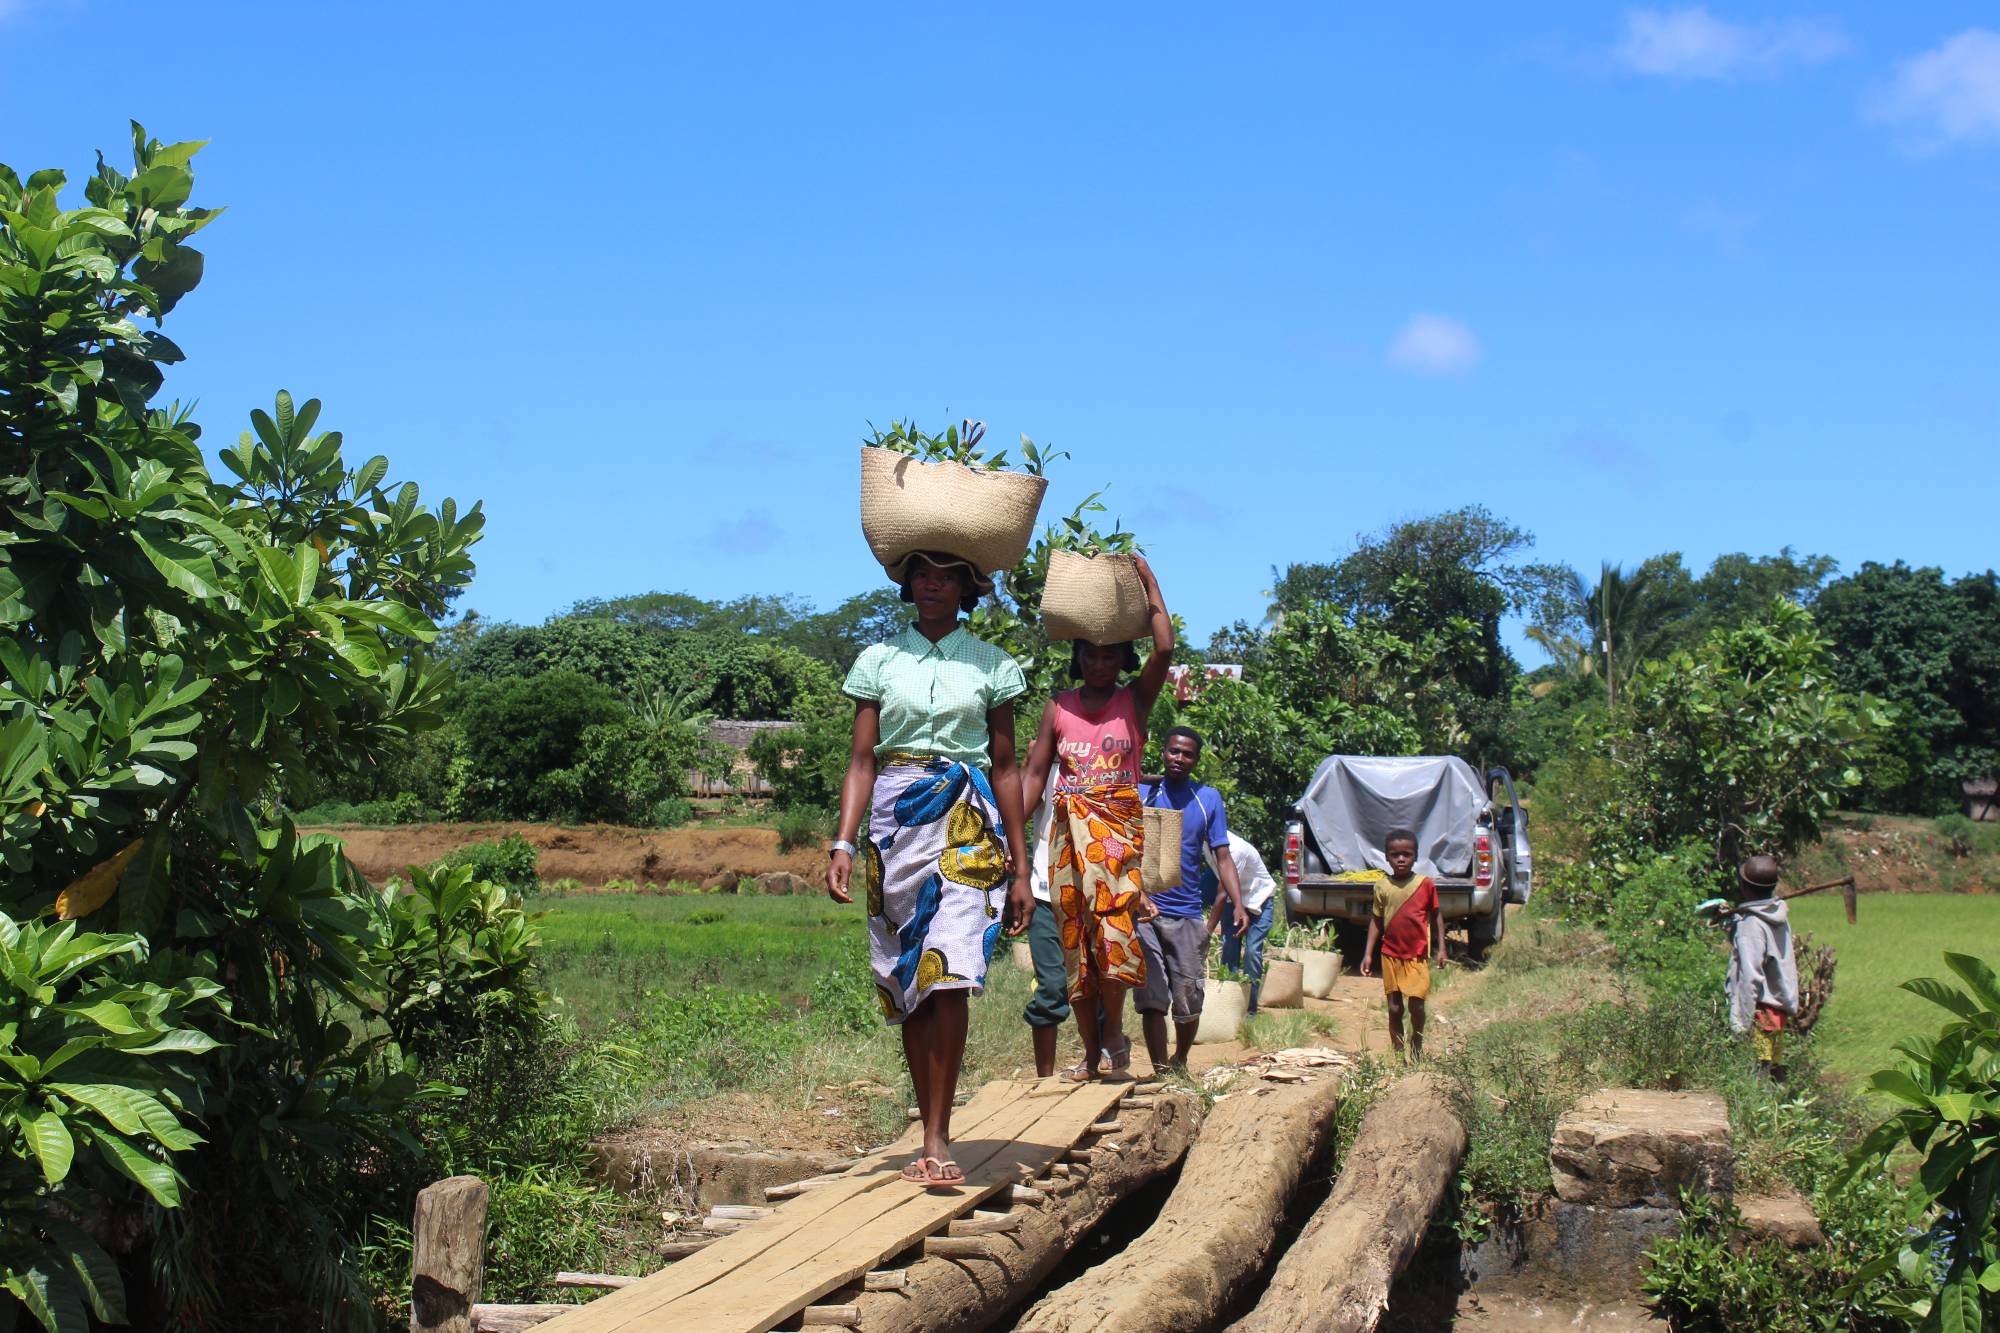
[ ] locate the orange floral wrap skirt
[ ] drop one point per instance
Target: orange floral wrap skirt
(1094, 887)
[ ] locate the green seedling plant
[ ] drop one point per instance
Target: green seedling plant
(958, 446)
(1949, 1087)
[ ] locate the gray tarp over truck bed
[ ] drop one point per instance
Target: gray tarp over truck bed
(1352, 802)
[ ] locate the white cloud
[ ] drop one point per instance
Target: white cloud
(1950, 94)
(1692, 43)
(1434, 345)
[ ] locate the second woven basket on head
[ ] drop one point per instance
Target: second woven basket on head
(1099, 599)
(984, 515)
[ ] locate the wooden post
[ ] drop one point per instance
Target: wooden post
(448, 1261)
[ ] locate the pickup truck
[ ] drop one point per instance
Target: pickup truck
(1475, 850)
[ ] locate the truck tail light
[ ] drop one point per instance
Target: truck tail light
(1482, 861)
(1292, 854)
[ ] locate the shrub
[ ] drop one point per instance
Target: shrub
(1506, 1167)
(674, 812)
(1711, 1279)
(801, 826)
(173, 647)
(511, 861)
(456, 955)
(806, 764)
(1742, 745)
(1969, 837)
(402, 808)
(93, 1073)
(524, 737)
(1653, 924)
(842, 999)
(522, 1109)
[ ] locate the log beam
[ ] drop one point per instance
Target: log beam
(1218, 1228)
(1335, 1278)
(973, 1292)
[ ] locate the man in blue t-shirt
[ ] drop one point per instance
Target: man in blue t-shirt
(1176, 941)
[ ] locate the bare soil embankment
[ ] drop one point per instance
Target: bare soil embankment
(593, 855)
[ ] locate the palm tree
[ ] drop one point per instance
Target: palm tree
(1624, 620)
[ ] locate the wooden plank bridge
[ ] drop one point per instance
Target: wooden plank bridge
(829, 1236)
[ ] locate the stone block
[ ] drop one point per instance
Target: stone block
(784, 882)
(1603, 1249)
(1783, 1216)
(1624, 1147)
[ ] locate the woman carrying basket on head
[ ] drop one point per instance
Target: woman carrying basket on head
(1096, 733)
(933, 756)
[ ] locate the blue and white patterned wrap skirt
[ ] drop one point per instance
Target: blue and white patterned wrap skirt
(937, 880)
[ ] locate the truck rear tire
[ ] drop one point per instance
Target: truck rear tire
(1483, 932)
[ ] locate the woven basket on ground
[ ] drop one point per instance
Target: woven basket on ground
(978, 514)
(1099, 599)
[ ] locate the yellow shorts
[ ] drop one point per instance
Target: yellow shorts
(1407, 976)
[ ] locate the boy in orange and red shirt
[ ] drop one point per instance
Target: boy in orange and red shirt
(1407, 925)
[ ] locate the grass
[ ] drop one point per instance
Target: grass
(604, 953)
(772, 997)
(1896, 937)
(760, 995)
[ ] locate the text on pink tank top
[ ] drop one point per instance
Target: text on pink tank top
(1097, 749)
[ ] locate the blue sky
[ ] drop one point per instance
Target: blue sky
(1704, 279)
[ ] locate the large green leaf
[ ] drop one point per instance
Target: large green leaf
(129, 1111)
(51, 1297)
(1939, 993)
(187, 1041)
(110, 1015)
(96, 1272)
(1900, 1086)
(49, 1139)
(1978, 976)
(185, 569)
(1958, 1305)
(148, 1173)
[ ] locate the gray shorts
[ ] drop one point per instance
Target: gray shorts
(1176, 949)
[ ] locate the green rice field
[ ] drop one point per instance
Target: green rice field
(603, 952)
(1896, 936)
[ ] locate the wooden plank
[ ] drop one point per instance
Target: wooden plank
(813, 1211)
(768, 1285)
(757, 1298)
(514, 1318)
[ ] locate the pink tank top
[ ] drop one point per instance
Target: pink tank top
(1097, 749)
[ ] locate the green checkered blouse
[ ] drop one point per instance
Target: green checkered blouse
(935, 696)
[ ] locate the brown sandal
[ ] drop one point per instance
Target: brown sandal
(1078, 1074)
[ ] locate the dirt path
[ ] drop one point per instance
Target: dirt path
(1358, 1005)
